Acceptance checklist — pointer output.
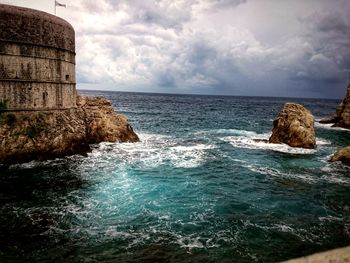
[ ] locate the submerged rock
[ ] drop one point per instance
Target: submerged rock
(342, 155)
(294, 126)
(33, 135)
(341, 118)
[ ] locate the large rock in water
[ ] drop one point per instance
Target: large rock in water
(341, 118)
(30, 135)
(294, 126)
(342, 155)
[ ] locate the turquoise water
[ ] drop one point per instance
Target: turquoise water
(197, 188)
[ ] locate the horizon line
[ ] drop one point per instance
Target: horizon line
(214, 95)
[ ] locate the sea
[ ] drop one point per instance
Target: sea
(202, 185)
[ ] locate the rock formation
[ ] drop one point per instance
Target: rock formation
(341, 118)
(342, 155)
(28, 135)
(294, 126)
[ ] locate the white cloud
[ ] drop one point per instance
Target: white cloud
(217, 46)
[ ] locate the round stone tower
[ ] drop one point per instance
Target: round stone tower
(37, 60)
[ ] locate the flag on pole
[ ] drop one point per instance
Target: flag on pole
(59, 4)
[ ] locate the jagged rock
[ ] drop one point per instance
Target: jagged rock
(294, 126)
(342, 155)
(103, 124)
(29, 135)
(341, 118)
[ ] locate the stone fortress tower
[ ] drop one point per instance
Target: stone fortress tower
(41, 116)
(37, 60)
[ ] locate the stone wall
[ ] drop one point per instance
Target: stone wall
(37, 60)
(37, 96)
(25, 25)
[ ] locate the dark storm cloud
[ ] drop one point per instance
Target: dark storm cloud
(328, 34)
(220, 46)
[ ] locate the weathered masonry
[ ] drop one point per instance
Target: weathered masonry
(37, 60)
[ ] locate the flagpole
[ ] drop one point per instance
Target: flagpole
(59, 4)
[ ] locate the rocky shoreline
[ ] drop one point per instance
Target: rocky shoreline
(341, 117)
(47, 134)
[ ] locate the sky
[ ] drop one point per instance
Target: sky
(293, 48)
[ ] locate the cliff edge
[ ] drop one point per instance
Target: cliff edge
(341, 118)
(46, 134)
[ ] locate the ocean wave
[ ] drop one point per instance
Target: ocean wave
(190, 242)
(235, 132)
(28, 165)
(301, 233)
(231, 132)
(328, 126)
(261, 143)
(47, 163)
(333, 175)
(276, 173)
(330, 218)
(322, 141)
(154, 150)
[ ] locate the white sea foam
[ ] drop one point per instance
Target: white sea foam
(29, 165)
(50, 163)
(301, 233)
(258, 144)
(227, 132)
(334, 173)
(236, 132)
(336, 179)
(328, 126)
(188, 156)
(330, 218)
(321, 141)
(256, 141)
(284, 228)
(276, 173)
(190, 243)
(154, 150)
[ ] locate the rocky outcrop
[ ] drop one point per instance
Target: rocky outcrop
(28, 135)
(342, 155)
(341, 118)
(294, 126)
(102, 123)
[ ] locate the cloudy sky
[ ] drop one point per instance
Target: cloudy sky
(295, 48)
